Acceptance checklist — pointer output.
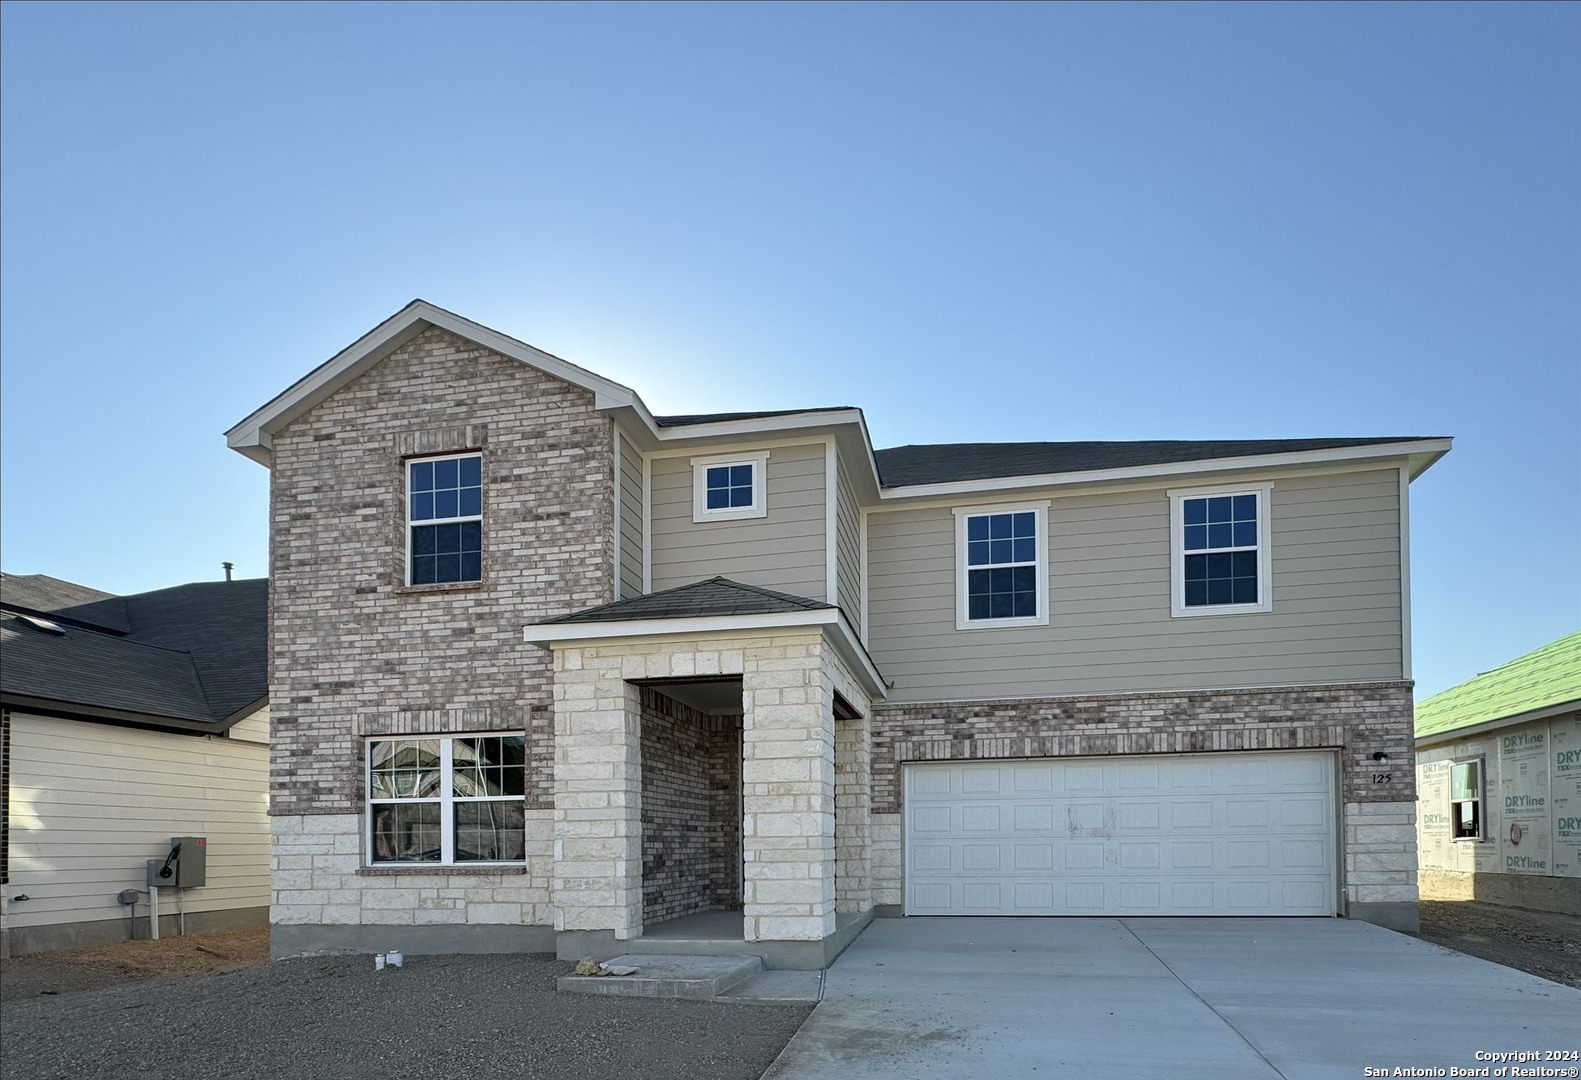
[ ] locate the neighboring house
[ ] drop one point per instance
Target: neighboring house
(549, 670)
(129, 721)
(1498, 780)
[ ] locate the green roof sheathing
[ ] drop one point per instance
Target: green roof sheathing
(1542, 678)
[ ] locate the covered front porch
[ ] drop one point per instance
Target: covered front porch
(711, 777)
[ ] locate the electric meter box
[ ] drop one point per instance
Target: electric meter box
(187, 865)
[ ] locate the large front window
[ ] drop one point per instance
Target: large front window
(444, 508)
(1001, 564)
(449, 801)
(1220, 558)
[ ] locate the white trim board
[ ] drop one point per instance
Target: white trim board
(831, 524)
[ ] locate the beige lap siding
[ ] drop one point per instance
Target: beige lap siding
(354, 652)
(92, 803)
(630, 520)
(783, 550)
(1336, 599)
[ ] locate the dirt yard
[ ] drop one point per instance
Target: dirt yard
(1538, 942)
(48, 974)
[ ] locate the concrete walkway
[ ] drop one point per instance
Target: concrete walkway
(1217, 999)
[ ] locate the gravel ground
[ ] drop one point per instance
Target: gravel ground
(1539, 942)
(472, 1016)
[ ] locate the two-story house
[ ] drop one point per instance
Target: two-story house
(552, 672)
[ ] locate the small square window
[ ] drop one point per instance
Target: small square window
(724, 489)
(445, 520)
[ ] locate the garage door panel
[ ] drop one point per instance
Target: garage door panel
(1037, 849)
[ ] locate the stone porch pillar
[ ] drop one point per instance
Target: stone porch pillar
(787, 789)
(597, 880)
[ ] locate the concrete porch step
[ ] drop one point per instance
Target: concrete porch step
(691, 977)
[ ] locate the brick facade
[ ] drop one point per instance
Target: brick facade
(691, 810)
(354, 650)
(1358, 718)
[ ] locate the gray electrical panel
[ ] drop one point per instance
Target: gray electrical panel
(185, 867)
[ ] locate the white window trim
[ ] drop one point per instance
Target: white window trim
(962, 600)
(759, 507)
(406, 488)
(1177, 551)
(446, 800)
(1481, 762)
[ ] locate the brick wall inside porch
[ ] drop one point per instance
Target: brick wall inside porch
(691, 809)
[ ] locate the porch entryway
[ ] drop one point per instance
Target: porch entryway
(691, 808)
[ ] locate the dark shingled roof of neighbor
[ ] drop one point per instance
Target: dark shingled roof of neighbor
(715, 596)
(190, 653)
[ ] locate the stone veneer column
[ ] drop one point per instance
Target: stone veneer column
(787, 788)
(597, 881)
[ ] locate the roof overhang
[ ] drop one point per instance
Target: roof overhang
(95, 714)
(1419, 454)
(1472, 730)
(831, 620)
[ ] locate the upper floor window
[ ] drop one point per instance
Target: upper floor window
(447, 800)
(729, 487)
(1219, 556)
(1001, 557)
(444, 514)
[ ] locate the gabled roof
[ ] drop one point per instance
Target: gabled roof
(947, 463)
(191, 657)
(254, 435)
(1545, 679)
(701, 599)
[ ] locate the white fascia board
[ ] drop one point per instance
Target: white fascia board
(842, 635)
(378, 343)
(1439, 447)
(1545, 712)
(561, 633)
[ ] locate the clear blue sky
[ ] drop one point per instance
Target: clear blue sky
(975, 221)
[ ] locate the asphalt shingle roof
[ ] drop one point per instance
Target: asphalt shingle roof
(715, 596)
(726, 417)
(1544, 677)
(40, 592)
(946, 463)
(193, 652)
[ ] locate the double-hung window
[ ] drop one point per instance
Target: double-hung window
(1219, 558)
(450, 801)
(444, 519)
(1001, 566)
(726, 488)
(1465, 800)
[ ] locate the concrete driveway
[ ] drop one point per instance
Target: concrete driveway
(1183, 998)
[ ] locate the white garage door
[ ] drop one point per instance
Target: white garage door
(1191, 834)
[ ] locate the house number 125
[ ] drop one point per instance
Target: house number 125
(1382, 777)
